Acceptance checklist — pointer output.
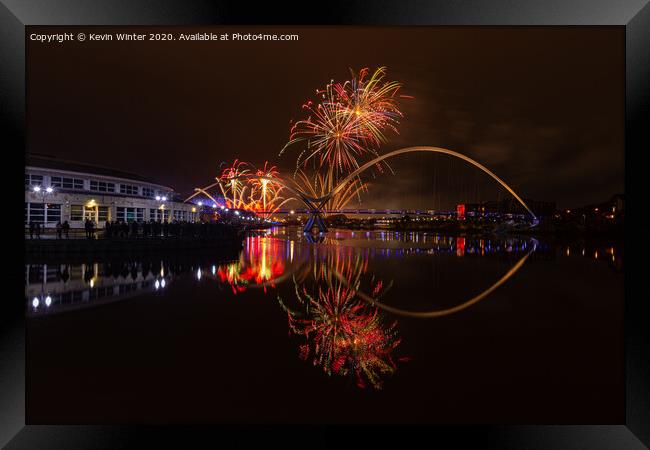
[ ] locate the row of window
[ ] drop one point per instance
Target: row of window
(51, 213)
(180, 214)
(67, 183)
(129, 189)
(33, 180)
(127, 214)
(159, 214)
(96, 186)
(102, 186)
(42, 212)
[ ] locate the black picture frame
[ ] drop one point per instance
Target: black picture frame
(633, 15)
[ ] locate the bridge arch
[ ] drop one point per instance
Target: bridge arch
(321, 201)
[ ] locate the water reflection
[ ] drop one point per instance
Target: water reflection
(260, 264)
(53, 288)
(343, 334)
(341, 292)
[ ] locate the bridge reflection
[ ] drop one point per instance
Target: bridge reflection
(332, 294)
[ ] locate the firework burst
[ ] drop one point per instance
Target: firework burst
(348, 122)
(265, 191)
(233, 184)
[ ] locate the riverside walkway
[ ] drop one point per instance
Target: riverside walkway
(199, 237)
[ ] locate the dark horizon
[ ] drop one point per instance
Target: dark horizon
(540, 106)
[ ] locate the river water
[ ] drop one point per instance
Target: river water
(351, 327)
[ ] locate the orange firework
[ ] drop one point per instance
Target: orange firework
(348, 122)
(233, 184)
(265, 191)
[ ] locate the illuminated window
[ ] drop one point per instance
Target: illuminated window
(129, 214)
(42, 213)
(76, 212)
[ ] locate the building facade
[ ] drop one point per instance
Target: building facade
(58, 191)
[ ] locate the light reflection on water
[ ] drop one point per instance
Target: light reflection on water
(334, 287)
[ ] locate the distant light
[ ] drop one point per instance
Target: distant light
(162, 283)
(193, 209)
(48, 300)
(49, 189)
(198, 274)
(92, 282)
(292, 212)
(158, 197)
(227, 209)
(214, 205)
(236, 213)
(35, 302)
(214, 270)
(37, 189)
(157, 284)
(223, 207)
(164, 199)
(200, 203)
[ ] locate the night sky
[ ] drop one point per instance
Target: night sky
(543, 107)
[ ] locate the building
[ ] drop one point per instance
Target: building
(507, 206)
(58, 190)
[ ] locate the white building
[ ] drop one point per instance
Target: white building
(58, 190)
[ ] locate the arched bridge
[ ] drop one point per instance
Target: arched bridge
(315, 205)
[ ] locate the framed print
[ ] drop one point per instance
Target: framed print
(411, 218)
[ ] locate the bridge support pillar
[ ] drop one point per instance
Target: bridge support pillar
(315, 219)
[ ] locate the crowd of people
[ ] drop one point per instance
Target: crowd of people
(153, 228)
(35, 229)
(138, 229)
